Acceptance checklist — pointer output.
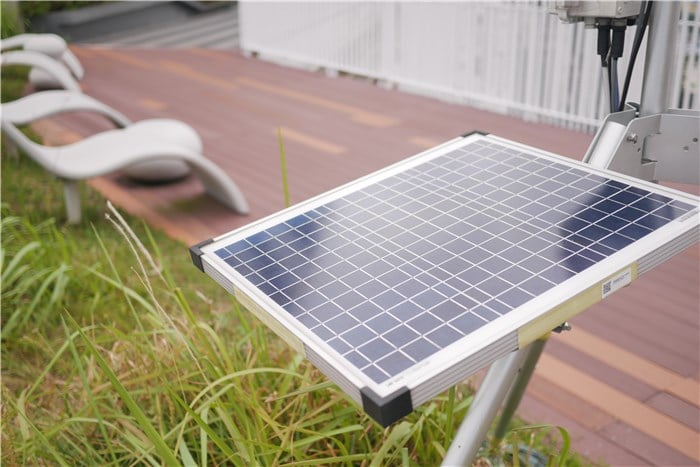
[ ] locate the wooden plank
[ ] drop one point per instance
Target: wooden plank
(654, 424)
(677, 408)
(598, 448)
(651, 449)
(627, 362)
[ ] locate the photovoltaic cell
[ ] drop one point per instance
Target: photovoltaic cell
(395, 271)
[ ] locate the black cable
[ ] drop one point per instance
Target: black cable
(603, 42)
(617, 48)
(611, 102)
(614, 89)
(604, 52)
(642, 21)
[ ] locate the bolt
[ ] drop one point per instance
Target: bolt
(632, 138)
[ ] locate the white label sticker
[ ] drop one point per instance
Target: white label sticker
(617, 282)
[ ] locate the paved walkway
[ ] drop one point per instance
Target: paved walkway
(624, 382)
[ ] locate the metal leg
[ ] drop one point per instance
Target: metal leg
(484, 408)
(534, 351)
(70, 189)
(661, 47)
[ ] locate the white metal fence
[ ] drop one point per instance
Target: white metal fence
(512, 58)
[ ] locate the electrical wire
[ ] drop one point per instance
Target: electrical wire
(614, 90)
(603, 49)
(611, 103)
(642, 22)
(606, 85)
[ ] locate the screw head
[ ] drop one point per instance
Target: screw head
(632, 137)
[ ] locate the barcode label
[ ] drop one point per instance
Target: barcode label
(617, 282)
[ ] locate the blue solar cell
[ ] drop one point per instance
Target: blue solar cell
(375, 349)
(308, 320)
(298, 220)
(591, 215)
(375, 373)
(401, 336)
(652, 221)
(371, 289)
(342, 323)
(323, 332)
(248, 254)
(420, 349)
(536, 285)
(326, 311)
(470, 322)
(365, 311)
(493, 286)
(222, 253)
(444, 335)
(339, 345)
(616, 241)
(258, 237)
(356, 359)
(635, 232)
(388, 299)
(647, 204)
(311, 300)
(594, 232)
(383, 323)
(577, 263)
(447, 310)
(671, 212)
(535, 264)
(298, 289)
(394, 363)
(318, 279)
(359, 335)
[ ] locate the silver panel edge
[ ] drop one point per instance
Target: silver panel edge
(333, 374)
(461, 370)
(665, 252)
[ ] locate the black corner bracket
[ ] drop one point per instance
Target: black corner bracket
(475, 132)
(387, 410)
(196, 253)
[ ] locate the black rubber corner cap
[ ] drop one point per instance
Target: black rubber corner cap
(196, 253)
(474, 132)
(387, 410)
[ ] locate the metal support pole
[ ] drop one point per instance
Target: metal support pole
(484, 408)
(661, 48)
(519, 385)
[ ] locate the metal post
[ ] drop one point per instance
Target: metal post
(519, 385)
(661, 48)
(484, 408)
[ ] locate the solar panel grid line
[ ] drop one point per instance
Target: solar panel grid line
(389, 272)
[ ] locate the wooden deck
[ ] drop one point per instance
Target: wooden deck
(624, 382)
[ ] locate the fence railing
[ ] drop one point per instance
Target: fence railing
(510, 57)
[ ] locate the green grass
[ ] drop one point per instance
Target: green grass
(116, 352)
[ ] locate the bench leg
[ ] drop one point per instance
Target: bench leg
(70, 189)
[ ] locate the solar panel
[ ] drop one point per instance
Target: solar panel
(404, 282)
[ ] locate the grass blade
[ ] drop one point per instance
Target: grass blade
(166, 454)
(283, 164)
